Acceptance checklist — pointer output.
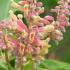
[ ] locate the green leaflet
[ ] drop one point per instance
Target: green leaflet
(54, 65)
(3, 66)
(46, 64)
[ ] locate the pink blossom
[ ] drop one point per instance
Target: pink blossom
(49, 18)
(34, 39)
(21, 26)
(39, 4)
(23, 2)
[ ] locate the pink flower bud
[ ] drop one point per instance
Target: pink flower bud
(68, 7)
(58, 35)
(66, 11)
(62, 28)
(14, 43)
(68, 1)
(44, 21)
(49, 18)
(39, 4)
(22, 2)
(21, 26)
(63, 24)
(49, 28)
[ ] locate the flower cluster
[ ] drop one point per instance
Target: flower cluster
(33, 39)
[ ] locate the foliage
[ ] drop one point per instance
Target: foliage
(46, 64)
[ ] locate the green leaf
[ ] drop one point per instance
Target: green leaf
(12, 61)
(54, 65)
(28, 65)
(3, 66)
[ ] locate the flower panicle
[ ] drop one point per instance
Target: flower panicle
(33, 39)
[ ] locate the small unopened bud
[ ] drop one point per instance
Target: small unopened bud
(22, 2)
(24, 34)
(36, 19)
(48, 39)
(68, 24)
(49, 28)
(49, 18)
(39, 4)
(20, 16)
(14, 4)
(12, 15)
(10, 12)
(58, 32)
(42, 8)
(25, 8)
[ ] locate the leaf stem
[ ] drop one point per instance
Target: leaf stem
(7, 60)
(6, 54)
